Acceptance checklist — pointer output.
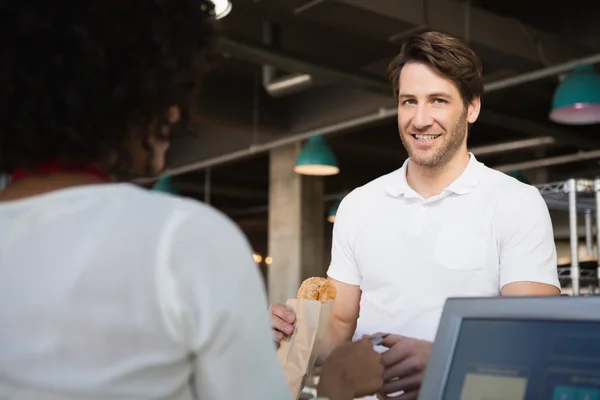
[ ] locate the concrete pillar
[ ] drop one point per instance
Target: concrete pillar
(296, 225)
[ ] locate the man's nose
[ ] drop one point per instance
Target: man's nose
(422, 119)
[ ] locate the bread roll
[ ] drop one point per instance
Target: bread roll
(317, 289)
(327, 292)
(309, 290)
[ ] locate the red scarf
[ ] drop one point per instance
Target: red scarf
(48, 168)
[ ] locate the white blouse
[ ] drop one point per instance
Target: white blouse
(114, 292)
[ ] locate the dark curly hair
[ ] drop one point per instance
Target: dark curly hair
(78, 76)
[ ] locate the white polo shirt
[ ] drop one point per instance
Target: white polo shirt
(409, 254)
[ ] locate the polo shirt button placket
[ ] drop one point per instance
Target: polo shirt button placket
(417, 229)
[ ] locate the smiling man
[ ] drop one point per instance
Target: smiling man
(443, 225)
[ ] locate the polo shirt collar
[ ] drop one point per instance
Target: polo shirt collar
(469, 179)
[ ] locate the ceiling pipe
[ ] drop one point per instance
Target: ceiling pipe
(514, 145)
(550, 161)
(255, 53)
(307, 6)
(220, 190)
(547, 72)
(261, 54)
(285, 85)
(382, 114)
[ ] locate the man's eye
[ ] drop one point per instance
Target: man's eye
(409, 102)
(440, 101)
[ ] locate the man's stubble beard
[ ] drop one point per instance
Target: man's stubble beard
(446, 151)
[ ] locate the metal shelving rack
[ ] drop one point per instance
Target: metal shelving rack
(576, 196)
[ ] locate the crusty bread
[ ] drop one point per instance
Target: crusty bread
(309, 290)
(316, 288)
(327, 292)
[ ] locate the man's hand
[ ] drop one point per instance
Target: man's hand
(404, 364)
(282, 321)
(352, 370)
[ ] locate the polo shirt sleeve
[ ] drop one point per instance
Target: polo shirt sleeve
(215, 308)
(343, 266)
(526, 242)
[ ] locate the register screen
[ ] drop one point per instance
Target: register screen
(525, 360)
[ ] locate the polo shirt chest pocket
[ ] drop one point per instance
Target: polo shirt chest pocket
(464, 248)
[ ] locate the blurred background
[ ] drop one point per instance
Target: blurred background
(290, 70)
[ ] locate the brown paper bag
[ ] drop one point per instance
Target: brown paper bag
(298, 353)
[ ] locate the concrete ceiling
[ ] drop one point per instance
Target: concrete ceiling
(345, 45)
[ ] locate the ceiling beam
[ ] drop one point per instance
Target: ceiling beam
(538, 129)
(259, 53)
(481, 27)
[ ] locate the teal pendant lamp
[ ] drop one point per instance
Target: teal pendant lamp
(165, 185)
(333, 211)
(518, 175)
(316, 158)
(331, 214)
(577, 98)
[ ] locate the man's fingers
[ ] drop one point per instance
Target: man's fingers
(395, 355)
(408, 384)
(375, 339)
(407, 367)
(391, 340)
(376, 335)
(403, 396)
(410, 395)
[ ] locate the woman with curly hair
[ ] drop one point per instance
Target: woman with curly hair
(107, 290)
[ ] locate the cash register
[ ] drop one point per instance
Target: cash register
(512, 348)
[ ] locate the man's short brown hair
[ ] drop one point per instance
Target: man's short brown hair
(448, 55)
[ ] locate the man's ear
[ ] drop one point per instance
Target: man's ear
(473, 110)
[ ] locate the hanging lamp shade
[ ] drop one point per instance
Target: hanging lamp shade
(577, 98)
(333, 210)
(518, 175)
(316, 158)
(165, 185)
